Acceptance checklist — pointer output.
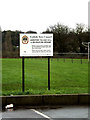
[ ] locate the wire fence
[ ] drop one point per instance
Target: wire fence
(81, 57)
(70, 57)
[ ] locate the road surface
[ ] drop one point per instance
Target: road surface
(49, 114)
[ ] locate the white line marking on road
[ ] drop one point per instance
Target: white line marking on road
(45, 116)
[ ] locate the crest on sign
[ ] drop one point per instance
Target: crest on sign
(25, 39)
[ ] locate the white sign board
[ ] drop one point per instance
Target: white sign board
(36, 44)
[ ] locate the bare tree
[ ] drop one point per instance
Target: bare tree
(8, 44)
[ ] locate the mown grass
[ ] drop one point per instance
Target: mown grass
(66, 77)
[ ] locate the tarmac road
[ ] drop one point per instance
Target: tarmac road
(64, 112)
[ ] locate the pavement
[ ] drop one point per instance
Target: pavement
(62, 112)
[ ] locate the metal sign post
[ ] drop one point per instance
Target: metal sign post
(48, 73)
(23, 87)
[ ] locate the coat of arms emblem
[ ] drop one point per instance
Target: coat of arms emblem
(25, 39)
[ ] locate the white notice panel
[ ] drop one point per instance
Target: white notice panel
(36, 44)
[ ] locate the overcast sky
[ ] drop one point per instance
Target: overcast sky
(37, 15)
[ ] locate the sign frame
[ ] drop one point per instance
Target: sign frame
(36, 44)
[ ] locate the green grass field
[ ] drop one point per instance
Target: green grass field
(66, 77)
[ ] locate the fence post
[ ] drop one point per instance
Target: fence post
(64, 59)
(81, 59)
(72, 59)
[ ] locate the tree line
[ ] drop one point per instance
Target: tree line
(65, 40)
